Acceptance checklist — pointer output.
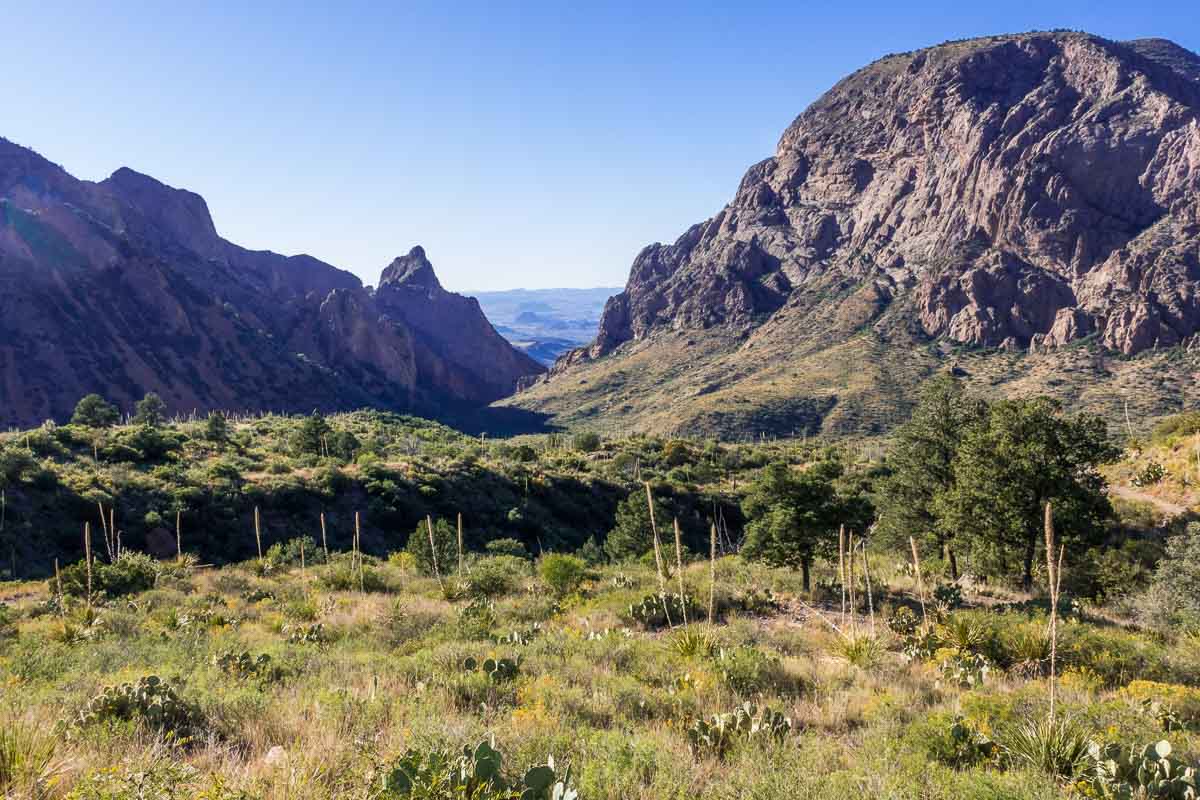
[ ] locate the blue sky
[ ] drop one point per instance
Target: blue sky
(523, 144)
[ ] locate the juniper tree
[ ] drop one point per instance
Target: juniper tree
(921, 460)
(151, 411)
(93, 411)
(1027, 452)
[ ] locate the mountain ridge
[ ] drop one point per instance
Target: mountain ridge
(1023, 193)
(124, 286)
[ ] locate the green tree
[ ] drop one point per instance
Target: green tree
(445, 539)
(216, 427)
(921, 460)
(311, 437)
(632, 536)
(793, 516)
(151, 411)
(93, 411)
(1025, 454)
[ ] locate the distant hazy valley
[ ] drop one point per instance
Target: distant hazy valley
(546, 323)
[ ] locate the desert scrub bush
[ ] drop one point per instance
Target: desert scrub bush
(342, 574)
(1176, 707)
(506, 547)
(27, 760)
(157, 777)
(1054, 746)
(1172, 601)
(150, 701)
(748, 671)
(956, 742)
(476, 774)
(130, 573)
(496, 576)
(287, 554)
(716, 735)
(1117, 656)
(564, 574)
(1147, 772)
(477, 619)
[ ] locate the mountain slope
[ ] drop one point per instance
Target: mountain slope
(124, 286)
(1037, 194)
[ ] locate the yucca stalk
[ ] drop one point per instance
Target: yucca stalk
(842, 567)
(433, 553)
(658, 562)
(258, 534)
(712, 572)
(324, 540)
(460, 543)
(358, 552)
(920, 583)
(679, 571)
(1054, 578)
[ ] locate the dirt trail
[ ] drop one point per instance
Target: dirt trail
(1168, 508)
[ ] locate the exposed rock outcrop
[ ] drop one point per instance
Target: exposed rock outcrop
(1010, 191)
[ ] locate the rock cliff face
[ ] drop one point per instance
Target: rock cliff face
(124, 286)
(1014, 192)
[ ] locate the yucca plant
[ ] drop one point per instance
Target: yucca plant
(693, 643)
(1057, 746)
(860, 649)
(27, 762)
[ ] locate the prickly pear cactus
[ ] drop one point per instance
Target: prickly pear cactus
(150, 701)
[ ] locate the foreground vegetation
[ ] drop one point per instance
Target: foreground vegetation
(640, 617)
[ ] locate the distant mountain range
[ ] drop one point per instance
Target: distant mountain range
(1024, 209)
(546, 323)
(124, 286)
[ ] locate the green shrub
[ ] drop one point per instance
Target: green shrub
(586, 442)
(496, 576)
(130, 573)
(506, 547)
(477, 619)
(658, 610)
(287, 554)
(562, 573)
(342, 574)
(747, 671)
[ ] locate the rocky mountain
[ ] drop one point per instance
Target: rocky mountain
(1035, 194)
(124, 286)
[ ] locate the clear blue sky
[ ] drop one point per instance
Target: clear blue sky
(524, 145)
